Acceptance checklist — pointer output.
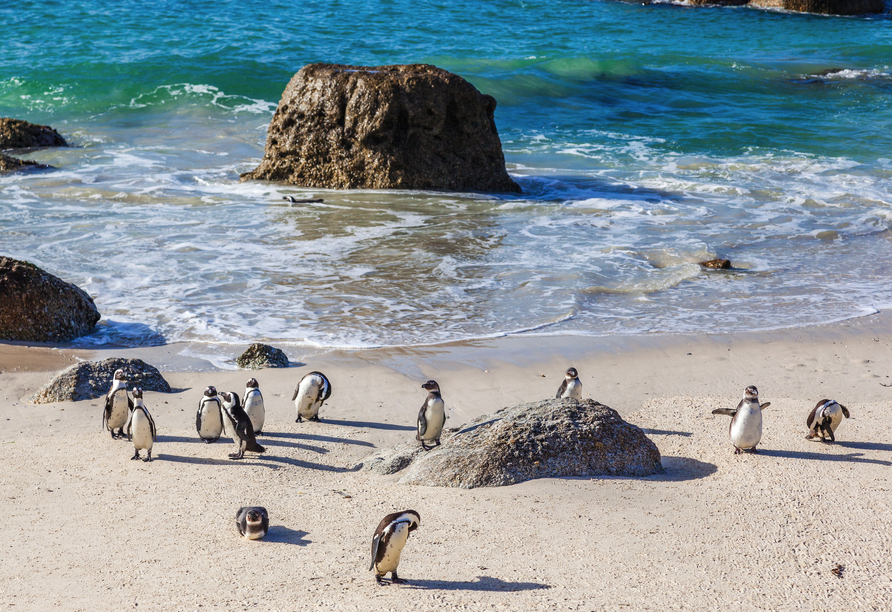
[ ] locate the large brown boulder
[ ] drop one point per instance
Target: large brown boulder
(547, 439)
(384, 127)
(18, 134)
(11, 164)
(92, 379)
(36, 306)
(826, 7)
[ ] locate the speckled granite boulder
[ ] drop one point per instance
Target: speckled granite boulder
(547, 439)
(92, 379)
(396, 458)
(36, 306)
(11, 164)
(262, 356)
(410, 126)
(18, 134)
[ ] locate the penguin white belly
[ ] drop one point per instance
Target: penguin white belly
(395, 545)
(435, 414)
(141, 431)
(120, 410)
(254, 408)
(211, 421)
(307, 406)
(835, 414)
(574, 389)
(746, 427)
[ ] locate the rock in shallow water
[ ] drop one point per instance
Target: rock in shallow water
(92, 379)
(384, 127)
(18, 134)
(262, 356)
(547, 439)
(11, 164)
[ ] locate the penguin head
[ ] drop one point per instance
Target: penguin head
(254, 517)
(751, 393)
(230, 399)
(571, 374)
(252, 383)
(431, 385)
(119, 375)
(136, 393)
(210, 392)
(413, 518)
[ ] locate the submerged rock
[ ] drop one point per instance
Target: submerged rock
(262, 356)
(18, 134)
(11, 164)
(36, 306)
(547, 439)
(92, 379)
(719, 264)
(384, 127)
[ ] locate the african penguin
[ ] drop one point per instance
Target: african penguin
(254, 406)
(824, 419)
(117, 406)
(570, 387)
(209, 420)
(746, 421)
(432, 416)
(311, 392)
(252, 522)
(140, 427)
(388, 542)
(238, 426)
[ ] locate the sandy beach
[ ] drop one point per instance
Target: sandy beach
(800, 526)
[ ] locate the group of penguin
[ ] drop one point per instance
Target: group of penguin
(243, 422)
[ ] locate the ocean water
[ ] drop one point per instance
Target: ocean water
(645, 138)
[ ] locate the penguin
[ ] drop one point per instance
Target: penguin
(388, 542)
(117, 406)
(140, 427)
(824, 418)
(252, 522)
(311, 392)
(746, 421)
(432, 416)
(209, 420)
(571, 386)
(254, 406)
(238, 426)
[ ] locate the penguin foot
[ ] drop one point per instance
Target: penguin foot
(298, 419)
(134, 457)
(315, 418)
(395, 580)
(147, 458)
(378, 579)
(236, 455)
(427, 448)
(736, 451)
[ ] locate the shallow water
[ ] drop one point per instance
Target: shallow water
(645, 138)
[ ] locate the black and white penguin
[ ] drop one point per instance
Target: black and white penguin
(824, 419)
(388, 542)
(254, 406)
(117, 406)
(252, 522)
(140, 427)
(209, 420)
(746, 421)
(311, 392)
(571, 386)
(432, 416)
(238, 426)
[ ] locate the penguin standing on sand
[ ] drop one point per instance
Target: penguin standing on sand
(140, 427)
(824, 419)
(117, 406)
(209, 420)
(571, 387)
(254, 406)
(388, 542)
(238, 425)
(252, 522)
(311, 392)
(746, 421)
(432, 416)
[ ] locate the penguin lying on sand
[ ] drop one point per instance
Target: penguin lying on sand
(432, 416)
(117, 406)
(570, 387)
(746, 421)
(388, 542)
(311, 392)
(239, 426)
(254, 406)
(140, 427)
(824, 418)
(252, 522)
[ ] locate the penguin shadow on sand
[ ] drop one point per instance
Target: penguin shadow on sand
(482, 583)
(818, 456)
(268, 461)
(372, 425)
(202, 460)
(270, 442)
(162, 439)
(279, 534)
(313, 437)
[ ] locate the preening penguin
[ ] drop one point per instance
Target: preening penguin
(254, 406)
(239, 426)
(209, 420)
(388, 542)
(252, 522)
(824, 418)
(311, 392)
(140, 427)
(746, 421)
(432, 416)
(117, 406)
(570, 387)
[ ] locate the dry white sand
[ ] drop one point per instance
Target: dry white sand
(85, 528)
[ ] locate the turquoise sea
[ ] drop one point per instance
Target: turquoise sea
(645, 137)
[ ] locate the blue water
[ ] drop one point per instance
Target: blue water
(645, 138)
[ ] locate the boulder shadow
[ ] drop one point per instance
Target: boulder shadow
(370, 425)
(482, 583)
(679, 469)
(280, 534)
(314, 437)
(810, 456)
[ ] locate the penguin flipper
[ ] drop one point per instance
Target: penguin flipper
(375, 542)
(152, 425)
(726, 411)
(561, 389)
(845, 411)
(764, 406)
(422, 422)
